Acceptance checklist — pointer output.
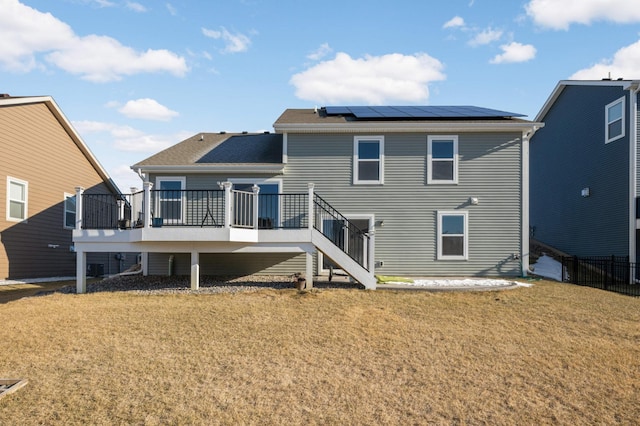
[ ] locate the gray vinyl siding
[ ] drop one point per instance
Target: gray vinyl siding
(489, 168)
(570, 154)
(228, 264)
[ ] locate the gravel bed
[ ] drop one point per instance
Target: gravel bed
(182, 284)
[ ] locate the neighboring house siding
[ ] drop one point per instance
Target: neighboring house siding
(229, 264)
(637, 101)
(570, 154)
(37, 149)
(489, 168)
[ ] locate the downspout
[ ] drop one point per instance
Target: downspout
(634, 88)
(524, 250)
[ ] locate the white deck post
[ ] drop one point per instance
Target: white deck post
(145, 263)
(310, 185)
(309, 272)
(227, 204)
(256, 191)
(195, 270)
(371, 251)
(79, 192)
(147, 204)
(81, 272)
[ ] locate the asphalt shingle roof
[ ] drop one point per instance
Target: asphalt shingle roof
(220, 148)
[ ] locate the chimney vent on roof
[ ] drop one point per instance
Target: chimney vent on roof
(223, 132)
(5, 95)
(266, 132)
(201, 137)
(244, 132)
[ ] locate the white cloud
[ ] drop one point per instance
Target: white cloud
(147, 109)
(234, 43)
(125, 178)
(372, 79)
(27, 32)
(624, 64)
(136, 7)
(320, 53)
(172, 10)
(560, 14)
(485, 37)
(515, 52)
(454, 22)
(126, 138)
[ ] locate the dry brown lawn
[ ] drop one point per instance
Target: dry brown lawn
(550, 354)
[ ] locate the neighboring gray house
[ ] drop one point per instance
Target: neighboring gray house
(413, 191)
(584, 169)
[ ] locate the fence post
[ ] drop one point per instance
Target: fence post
(575, 270)
(256, 191)
(79, 192)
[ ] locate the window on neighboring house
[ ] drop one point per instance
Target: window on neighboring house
(69, 211)
(17, 199)
(452, 235)
(614, 113)
(170, 199)
(442, 159)
(368, 160)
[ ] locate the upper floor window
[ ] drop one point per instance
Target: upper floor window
(69, 211)
(368, 159)
(17, 197)
(614, 115)
(442, 159)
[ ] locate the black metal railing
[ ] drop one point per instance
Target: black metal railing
(190, 207)
(613, 273)
(194, 208)
(110, 211)
(340, 231)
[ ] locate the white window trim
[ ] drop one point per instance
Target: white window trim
(64, 212)
(26, 199)
(463, 213)
(183, 186)
(430, 140)
(607, 139)
(356, 160)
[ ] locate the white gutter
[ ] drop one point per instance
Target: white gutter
(403, 127)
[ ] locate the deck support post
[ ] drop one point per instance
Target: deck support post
(81, 272)
(147, 204)
(144, 259)
(195, 270)
(309, 271)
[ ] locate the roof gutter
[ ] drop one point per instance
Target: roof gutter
(242, 168)
(404, 127)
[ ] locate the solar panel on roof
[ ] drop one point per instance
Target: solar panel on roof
(428, 111)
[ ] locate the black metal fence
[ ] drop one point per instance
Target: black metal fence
(613, 273)
(343, 233)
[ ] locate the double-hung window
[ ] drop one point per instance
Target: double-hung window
(69, 211)
(442, 159)
(368, 160)
(453, 235)
(17, 199)
(614, 116)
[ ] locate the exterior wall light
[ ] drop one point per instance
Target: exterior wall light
(474, 201)
(585, 192)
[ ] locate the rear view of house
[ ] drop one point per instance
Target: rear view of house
(363, 190)
(43, 160)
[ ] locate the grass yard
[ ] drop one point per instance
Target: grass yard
(550, 354)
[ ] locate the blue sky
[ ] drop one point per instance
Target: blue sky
(135, 77)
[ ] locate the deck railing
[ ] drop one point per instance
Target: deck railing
(203, 208)
(343, 233)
